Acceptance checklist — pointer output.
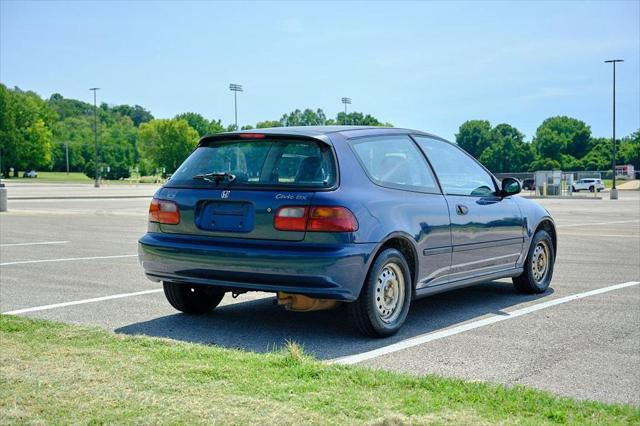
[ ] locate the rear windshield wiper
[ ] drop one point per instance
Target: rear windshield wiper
(215, 177)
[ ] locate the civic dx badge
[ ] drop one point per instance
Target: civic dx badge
(225, 194)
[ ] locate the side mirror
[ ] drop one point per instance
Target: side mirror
(510, 186)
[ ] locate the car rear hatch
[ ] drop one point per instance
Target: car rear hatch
(233, 185)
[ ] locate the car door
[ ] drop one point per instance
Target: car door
(487, 230)
(412, 203)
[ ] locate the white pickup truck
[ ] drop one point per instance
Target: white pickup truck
(591, 184)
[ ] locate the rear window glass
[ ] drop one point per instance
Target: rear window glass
(268, 162)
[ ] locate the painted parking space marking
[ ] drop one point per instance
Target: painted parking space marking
(613, 222)
(67, 259)
(40, 243)
(81, 302)
(576, 234)
(429, 337)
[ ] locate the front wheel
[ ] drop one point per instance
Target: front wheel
(573, 189)
(538, 267)
(384, 301)
(192, 299)
(592, 189)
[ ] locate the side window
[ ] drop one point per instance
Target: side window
(396, 162)
(458, 172)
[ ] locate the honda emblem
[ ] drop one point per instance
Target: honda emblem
(225, 194)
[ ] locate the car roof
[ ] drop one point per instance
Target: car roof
(320, 132)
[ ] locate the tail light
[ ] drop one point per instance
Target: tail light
(315, 219)
(163, 211)
(331, 219)
(291, 219)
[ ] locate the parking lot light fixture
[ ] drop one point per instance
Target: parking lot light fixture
(95, 135)
(614, 191)
(346, 101)
(235, 88)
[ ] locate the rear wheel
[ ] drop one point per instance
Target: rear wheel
(192, 299)
(538, 268)
(384, 301)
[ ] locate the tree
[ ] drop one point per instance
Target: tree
(66, 108)
(629, 150)
(474, 136)
(599, 157)
(198, 123)
(77, 133)
(136, 113)
(8, 133)
(167, 143)
(507, 152)
(24, 128)
(307, 117)
(215, 126)
(268, 123)
(35, 149)
(563, 139)
(359, 119)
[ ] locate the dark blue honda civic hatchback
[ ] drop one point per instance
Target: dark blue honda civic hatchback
(367, 216)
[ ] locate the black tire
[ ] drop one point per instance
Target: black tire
(592, 189)
(532, 280)
(192, 299)
(573, 189)
(368, 312)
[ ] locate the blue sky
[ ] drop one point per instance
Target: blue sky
(424, 65)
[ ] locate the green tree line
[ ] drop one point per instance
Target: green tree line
(560, 143)
(37, 133)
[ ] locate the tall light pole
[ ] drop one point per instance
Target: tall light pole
(235, 88)
(614, 192)
(346, 101)
(95, 135)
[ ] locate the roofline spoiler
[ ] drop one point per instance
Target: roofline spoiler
(234, 136)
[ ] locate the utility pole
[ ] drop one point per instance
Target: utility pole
(614, 191)
(95, 135)
(66, 148)
(235, 88)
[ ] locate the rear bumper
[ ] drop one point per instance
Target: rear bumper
(324, 271)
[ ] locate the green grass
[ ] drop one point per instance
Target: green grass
(72, 177)
(608, 183)
(76, 177)
(57, 373)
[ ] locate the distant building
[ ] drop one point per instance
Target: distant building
(625, 171)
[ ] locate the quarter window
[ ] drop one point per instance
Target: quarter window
(396, 162)
(458, 172)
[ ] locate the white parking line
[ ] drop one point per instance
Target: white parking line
(591, 235)
(41, 243)
(67, 259)
(598, 223)
(429, 337)
(81, 302)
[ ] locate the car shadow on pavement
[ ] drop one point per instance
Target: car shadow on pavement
(260, 326)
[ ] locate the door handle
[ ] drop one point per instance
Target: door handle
(461, 209)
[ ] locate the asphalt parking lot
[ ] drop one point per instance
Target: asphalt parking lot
(75, 260)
